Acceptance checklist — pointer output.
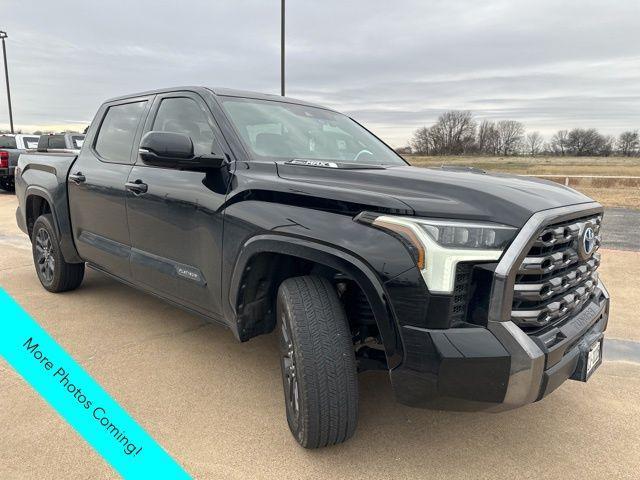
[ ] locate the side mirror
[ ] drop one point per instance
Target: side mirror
(175, 150)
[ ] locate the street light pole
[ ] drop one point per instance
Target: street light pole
(4, 35)
(282, 47)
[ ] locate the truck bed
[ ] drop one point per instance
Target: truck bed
(53, 163)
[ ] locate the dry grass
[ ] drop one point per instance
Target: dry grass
(609, 192)
(613, 197)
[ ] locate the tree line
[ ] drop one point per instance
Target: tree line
(456, 132)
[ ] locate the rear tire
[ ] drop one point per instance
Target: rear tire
(54, 273)
(317, 361)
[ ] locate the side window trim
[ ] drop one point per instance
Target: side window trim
(136, 139)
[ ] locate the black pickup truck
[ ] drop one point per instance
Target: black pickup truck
(475, 291)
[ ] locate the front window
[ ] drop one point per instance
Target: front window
(272, 129)
(184, 115)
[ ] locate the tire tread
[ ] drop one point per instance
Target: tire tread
(328, 368)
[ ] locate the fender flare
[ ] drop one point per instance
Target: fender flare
(35, 191)
(63, 231)
(338, 259)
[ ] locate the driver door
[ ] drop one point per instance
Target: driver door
(174, 220)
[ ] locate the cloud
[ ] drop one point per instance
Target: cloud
(392, 65)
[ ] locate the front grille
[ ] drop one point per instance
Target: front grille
(460, 298)
(553, 282)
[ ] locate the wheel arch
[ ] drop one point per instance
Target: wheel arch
(39, 201)
(282, 255)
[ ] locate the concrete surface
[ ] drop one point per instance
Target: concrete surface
(216, 405)
(620, 270)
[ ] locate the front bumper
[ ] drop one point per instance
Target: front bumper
(495, 368)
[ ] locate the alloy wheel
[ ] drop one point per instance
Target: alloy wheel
(292, 389)
(44, 255)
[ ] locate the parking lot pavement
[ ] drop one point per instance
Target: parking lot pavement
(216, 405)
(621, 229)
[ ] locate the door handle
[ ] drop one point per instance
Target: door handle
(137, 187)
(77, 178)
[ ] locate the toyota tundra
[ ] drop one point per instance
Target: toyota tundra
(473, 290)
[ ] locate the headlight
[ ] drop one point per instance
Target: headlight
(438, 246)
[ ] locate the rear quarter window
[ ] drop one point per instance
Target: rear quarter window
(117, 132)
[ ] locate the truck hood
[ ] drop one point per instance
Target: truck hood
(442, 192)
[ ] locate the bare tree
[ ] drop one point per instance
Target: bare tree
(559, 142)
(585, 142)
(452, 134)
(406, 150)
(455, 131)
(607, 146)
(421, 141)
(488, 138)
(510, 134)
(628, 143)
(534, 143)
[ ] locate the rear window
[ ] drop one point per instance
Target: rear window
(57, 141)
(30, 142)
(8, 142)
(118, 129)
(77, 141)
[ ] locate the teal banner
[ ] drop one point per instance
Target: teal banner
(64, 384)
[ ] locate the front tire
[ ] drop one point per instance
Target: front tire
(54, 273)
(317, 361)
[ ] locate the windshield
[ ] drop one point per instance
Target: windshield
(7, 142)
(288, 131)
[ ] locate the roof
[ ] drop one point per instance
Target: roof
(218, 91)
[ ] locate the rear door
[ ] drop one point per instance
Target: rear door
(176, 225)
(96, 185)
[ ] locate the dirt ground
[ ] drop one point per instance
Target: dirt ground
(217, 406)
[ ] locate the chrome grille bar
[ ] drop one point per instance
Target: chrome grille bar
(553, 281)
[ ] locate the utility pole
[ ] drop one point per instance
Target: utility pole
(281, 48)
(4, 35)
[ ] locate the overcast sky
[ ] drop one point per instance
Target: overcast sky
(392, 65)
